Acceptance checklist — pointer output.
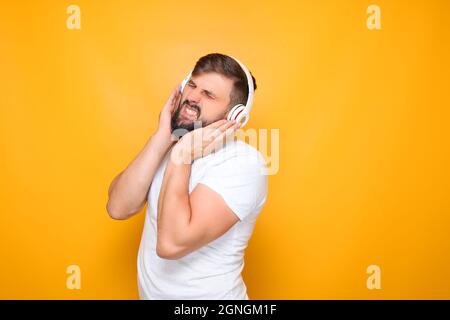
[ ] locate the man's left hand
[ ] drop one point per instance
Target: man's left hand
(203, 141)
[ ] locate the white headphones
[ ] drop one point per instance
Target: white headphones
(239, 112)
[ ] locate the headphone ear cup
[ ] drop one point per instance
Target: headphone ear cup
(236, 112)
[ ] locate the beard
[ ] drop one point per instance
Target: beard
(186, 126)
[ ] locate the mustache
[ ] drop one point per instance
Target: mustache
(192, 105)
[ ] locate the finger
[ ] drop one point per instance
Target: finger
(227, 124)
(226, 134)
(221, 129)
(175, 93)
(175, 101)
(170, 99)
(237, 125)
(229, 131)
(220, 141)
(216, 124)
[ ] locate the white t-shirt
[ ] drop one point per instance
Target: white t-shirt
(237, 172)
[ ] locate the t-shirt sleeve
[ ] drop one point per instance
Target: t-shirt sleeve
(241, 181)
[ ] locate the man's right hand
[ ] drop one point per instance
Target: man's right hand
(164, 128)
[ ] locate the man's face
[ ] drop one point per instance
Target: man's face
(206, 98)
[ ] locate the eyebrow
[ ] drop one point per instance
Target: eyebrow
(206, 91)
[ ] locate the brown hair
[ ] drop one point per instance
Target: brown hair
(230, 68)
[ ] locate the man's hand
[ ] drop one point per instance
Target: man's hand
(203, 141)
(165, 116)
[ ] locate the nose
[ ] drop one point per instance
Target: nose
(193, 95)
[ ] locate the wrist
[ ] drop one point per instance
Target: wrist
(163, 142)
(180, 155)
(159, 143)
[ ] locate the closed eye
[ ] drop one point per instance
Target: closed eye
(209, 94)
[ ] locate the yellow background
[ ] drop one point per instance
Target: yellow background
(364, 140)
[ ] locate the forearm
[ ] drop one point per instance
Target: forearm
(174, 211)
(127, 193)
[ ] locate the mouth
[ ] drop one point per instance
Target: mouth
(190, 112)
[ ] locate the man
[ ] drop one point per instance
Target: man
(203, 197)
